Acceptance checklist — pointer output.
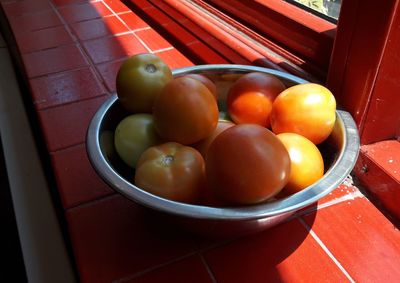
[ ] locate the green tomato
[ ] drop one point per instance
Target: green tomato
(139, 79)
(133, 135)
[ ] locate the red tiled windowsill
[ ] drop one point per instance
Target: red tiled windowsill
(343, 237)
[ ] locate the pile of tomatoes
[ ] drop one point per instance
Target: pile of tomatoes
(182, 147)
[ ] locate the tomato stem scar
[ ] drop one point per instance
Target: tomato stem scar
(151, 68)
(167, 160)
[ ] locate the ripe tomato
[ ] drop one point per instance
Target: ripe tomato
(306, 109)
(139, 79)
(185, 111)
(250, 98)
(171, 171)
(247, 164)
(307, 165)
(133, 135)
(203, 145)
(206, 81)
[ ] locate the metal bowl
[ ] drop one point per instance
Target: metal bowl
(340, 153)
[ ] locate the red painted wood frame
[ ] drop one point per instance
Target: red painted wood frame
(306, 39)
(365, 78)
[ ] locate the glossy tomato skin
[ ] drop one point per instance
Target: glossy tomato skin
(139, 79)
(206, 81)
(172, 171)
(133, 135)
(185, 111)
(247, 164)
(203, 145)
(306, 109)
(307, 164)
(250, 98)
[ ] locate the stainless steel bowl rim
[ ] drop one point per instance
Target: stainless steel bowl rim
(334, 176)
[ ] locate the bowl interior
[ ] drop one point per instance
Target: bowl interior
(340, 152)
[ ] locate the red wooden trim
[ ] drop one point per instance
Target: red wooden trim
(362, 34)
(382, 119)
(300, 32)
(378, 169)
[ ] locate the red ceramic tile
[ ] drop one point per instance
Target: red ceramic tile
(359, 236)
(114, 47)
(206, 54)
(98, 28)
(43, 39)
(115, 238)
(69, 2)
(108, 72)
(66, 125)
(35, 21)
(180, 272)
(65, 87)
(53, 60)
(152, 39)
(133, 21)
(344, 193)
(174, 59)
(18, 8)
(69, 166)
(284, 253)
(82, 12)
(117, 6)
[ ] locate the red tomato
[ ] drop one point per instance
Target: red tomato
(307, 164)
(206, 81)
(185, 111)
(171, 171)
(306, 109)
(250, 98)
(203, 145)
(247, 164)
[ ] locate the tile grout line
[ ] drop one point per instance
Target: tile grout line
(153, 268)
(127, 26)
(80, 46)
(207, 267)
(347, 197)
(197, 251)
(326, 250)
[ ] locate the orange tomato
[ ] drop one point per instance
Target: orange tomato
(247, 164)
(307, 164)
(250, 98)
(185, 111)
(171, 171)
(306, 109)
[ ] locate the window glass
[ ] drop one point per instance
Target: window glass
(325, 8)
